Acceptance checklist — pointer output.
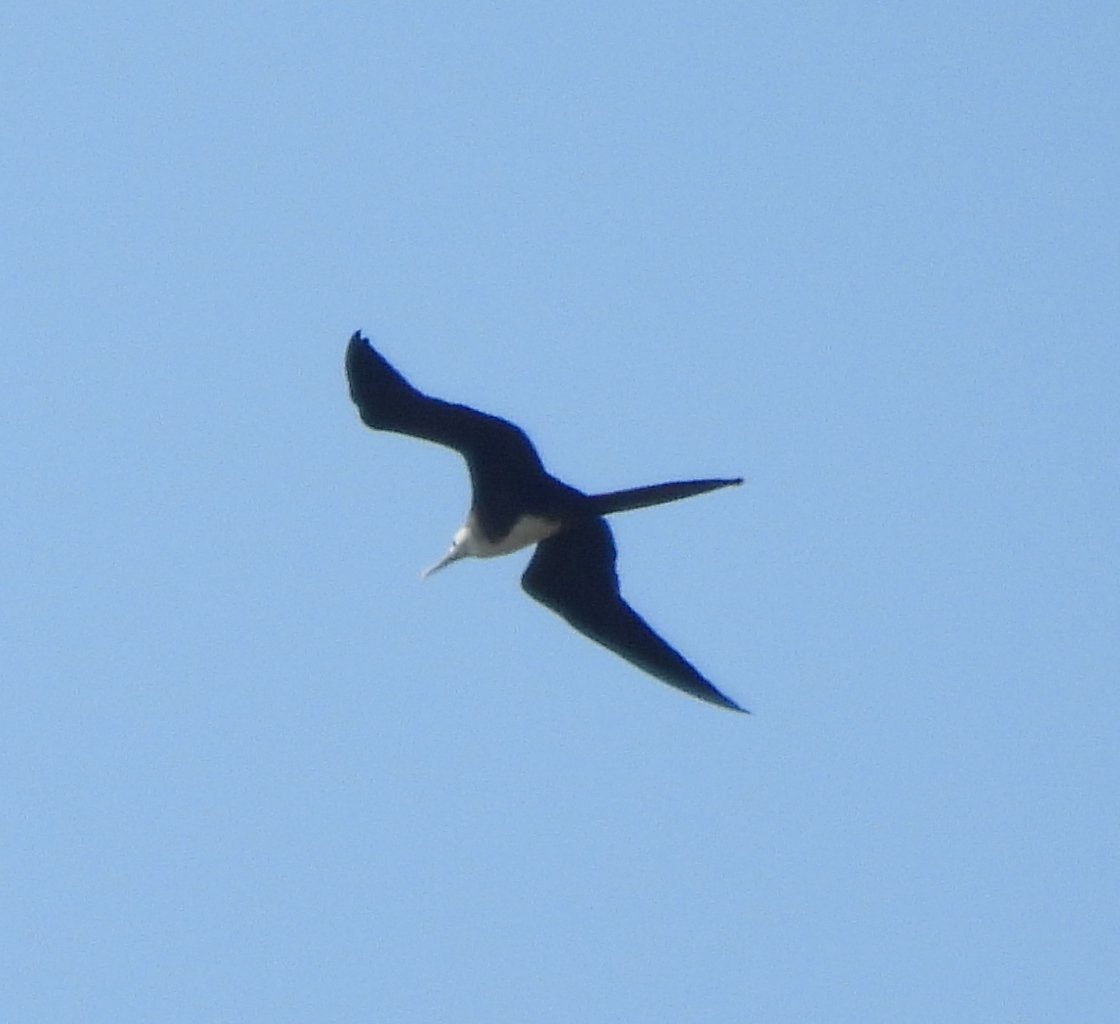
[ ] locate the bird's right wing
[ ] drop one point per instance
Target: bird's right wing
(573, 574)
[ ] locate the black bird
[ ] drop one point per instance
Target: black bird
(516, 503)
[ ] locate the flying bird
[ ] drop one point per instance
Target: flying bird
(515, 503)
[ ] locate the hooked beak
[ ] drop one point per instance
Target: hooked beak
(453, 555)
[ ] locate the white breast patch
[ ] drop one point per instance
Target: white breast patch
(527, 530)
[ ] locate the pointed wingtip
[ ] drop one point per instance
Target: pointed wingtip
(708, 693)
(728, 703)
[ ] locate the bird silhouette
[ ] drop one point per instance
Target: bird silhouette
(515, 503)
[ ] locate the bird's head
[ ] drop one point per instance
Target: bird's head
(462, 546)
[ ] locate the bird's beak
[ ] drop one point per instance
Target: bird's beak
(453, 555)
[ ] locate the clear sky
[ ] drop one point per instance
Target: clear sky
(865, 255)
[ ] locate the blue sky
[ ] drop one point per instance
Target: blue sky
(866, 256)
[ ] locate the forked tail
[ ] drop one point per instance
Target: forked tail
(656, 494)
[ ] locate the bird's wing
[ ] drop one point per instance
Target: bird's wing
(573, 574)
(500, 457)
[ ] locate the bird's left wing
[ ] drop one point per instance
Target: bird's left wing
(499, 455)
(386, 401)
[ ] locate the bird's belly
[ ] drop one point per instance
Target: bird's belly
(527, 530)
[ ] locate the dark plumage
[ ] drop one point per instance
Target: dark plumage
(515, 502)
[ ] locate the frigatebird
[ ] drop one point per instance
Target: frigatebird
(516, 503)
